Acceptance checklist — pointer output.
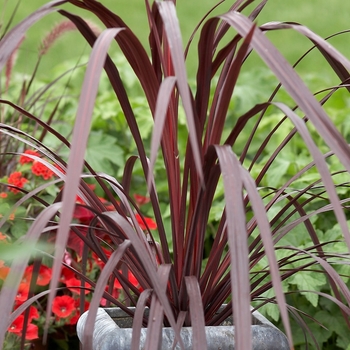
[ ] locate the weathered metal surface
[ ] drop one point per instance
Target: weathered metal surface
(109, 336)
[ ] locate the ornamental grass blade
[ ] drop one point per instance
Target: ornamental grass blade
(218, 113)
(156, 312)
(237, 240)
(163, 99)
(76, 157)
(173, 34)
(266, 237)
(99, 290)
(13, 38)
(138, 318)
(196, 313)
(148, 265)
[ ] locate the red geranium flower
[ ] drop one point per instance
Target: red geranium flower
(16, 179)
(23, 159)
(44, 276)
(33, 313)
(74, 282)
(22, 292)
(66, 274)
(17, 325)
(17, 328)
(32, 332)
(132, 279)
(141, 200)
(150, 222)
(63, 306)
(97, 259)
(39, 169)
(27, 276)
(76, 316)
(4, 271)
(3, 195)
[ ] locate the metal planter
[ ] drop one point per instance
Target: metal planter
(113, 332)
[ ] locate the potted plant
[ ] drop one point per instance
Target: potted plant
(200, 152)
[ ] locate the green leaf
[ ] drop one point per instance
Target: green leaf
(309, 281)
(143, 116)
(19, 228)
(335, 322)
(320, 334)
(102, 150)
(4, 209)
(277, 171)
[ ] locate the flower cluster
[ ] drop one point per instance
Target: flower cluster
(18, 180)
(66, 305)
(25, 159)
(39, 169)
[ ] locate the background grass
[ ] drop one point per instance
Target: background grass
(324, 17)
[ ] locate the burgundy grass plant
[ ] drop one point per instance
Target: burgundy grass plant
(201, 166)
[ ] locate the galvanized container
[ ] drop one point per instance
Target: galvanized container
(113, 332)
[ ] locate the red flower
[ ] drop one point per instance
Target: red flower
(16, 179)
(33, 313)
(3, 195)
(44, 276)
(23, 159)
(3, 237)
(150, 222)
(4, 271)
(74, 282)
(39, 169)
(117, 287)
(22, 292)
(32, 332)
(132, 279)
(66, 274)
(27, 276)
(76, 316)
(97, 259)
(141, 200)
(17, 327)
(63, 306)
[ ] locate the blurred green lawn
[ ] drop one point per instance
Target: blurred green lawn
(324, 17)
